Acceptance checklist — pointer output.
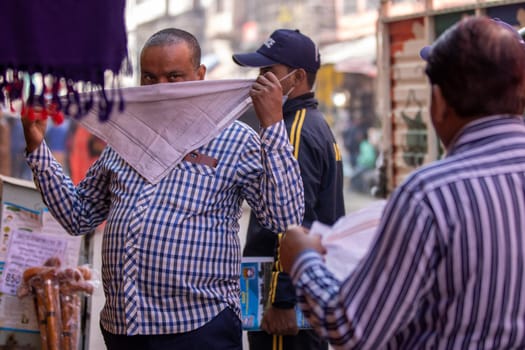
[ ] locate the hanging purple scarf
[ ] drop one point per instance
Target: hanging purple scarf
(71, 41)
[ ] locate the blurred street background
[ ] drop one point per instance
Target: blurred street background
(345, 32)
(371, 85)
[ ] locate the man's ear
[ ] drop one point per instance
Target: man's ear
(300, 82)
(300, 75)
(201, 71)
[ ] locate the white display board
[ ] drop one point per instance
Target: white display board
(29, 236)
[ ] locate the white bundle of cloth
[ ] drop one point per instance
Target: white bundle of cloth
(348, 240)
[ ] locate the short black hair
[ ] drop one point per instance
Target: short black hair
(479, 64)
(310, 78)
(170, 36)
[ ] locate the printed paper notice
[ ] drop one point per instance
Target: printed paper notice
(256, 275)
(27, 249)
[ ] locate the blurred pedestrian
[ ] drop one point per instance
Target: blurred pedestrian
(294, 59)
(170, 253)
(19, 167)
(83, 149)
(365, 164)
(445, 270)
(56, 136)
(351, 139)
(5, 154)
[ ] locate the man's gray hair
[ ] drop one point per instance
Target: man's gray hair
(171, 36)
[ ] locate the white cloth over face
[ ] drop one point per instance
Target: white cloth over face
(349, 239)
(162, 123)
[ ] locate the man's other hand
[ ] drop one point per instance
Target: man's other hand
(280, 321)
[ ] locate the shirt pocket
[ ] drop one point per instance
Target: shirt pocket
(198, 169)
(198, 189)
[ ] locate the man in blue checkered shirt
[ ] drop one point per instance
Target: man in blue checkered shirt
(171, 251)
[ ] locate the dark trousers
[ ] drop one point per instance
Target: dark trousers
(221, 333)
(305, 340)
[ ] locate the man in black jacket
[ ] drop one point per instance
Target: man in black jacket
(294, 59)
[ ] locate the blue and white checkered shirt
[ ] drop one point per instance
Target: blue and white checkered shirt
(447, 267)
(171, 251)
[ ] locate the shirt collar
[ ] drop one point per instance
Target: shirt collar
(479, 129)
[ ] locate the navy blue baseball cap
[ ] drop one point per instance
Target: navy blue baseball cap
(425, 52)
(285, 46)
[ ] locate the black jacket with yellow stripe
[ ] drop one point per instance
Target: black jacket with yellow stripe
(322, 171)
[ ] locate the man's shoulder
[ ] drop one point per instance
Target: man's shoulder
(310, 116)
(316, 113)
(237, 130)
(313, 125)
(241, 125)
(432, 176)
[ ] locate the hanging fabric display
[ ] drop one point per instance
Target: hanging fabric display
(52, 50)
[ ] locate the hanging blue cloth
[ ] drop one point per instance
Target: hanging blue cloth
(70, 40)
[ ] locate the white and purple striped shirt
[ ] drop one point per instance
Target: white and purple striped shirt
(171, 251)
(446, 269)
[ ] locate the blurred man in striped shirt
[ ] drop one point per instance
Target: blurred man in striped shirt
(446, 269)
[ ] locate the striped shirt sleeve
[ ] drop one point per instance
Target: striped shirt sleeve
(277, 198)
(366, 310)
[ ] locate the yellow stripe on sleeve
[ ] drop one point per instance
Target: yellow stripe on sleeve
(337, 152)
(273, 286)
(295, 139)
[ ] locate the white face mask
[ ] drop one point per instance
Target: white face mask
(285, 96)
